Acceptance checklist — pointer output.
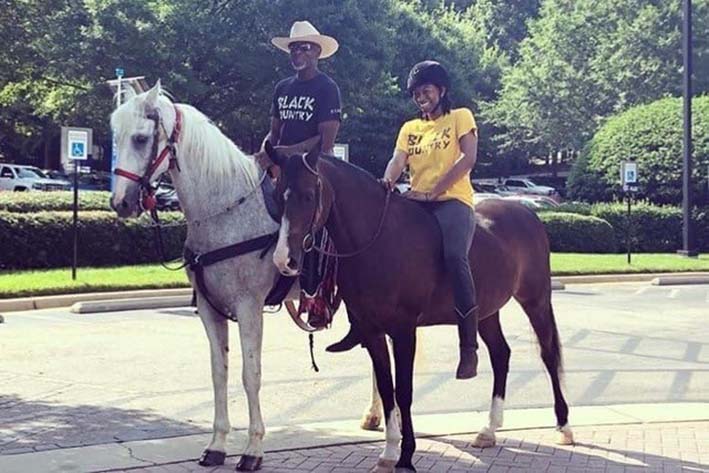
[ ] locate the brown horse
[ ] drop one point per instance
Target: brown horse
(392, 279)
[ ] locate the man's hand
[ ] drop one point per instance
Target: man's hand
(263, 159)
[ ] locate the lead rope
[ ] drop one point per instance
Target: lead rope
(312, 355)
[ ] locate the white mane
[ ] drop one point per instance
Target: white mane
(202, 147)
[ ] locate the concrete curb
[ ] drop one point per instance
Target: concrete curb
(680, 279)
(90, 307)
(620, 278)
(66, 300)
(150, 296)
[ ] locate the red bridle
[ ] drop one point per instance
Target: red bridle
(148, 201)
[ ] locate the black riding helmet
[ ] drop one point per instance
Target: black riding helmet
(427, 72)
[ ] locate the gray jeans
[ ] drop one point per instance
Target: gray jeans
(457, 223)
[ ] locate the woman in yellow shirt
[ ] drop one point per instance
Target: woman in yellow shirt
(440, 149)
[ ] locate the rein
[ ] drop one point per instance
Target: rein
(309, 239)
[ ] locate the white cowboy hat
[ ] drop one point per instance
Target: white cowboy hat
(304, 31)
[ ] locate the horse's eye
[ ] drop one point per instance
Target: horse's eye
(309, 197)
(140, 140)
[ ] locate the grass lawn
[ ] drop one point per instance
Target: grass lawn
(564, 264)
(58, 281)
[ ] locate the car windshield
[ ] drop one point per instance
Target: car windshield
(32, 173)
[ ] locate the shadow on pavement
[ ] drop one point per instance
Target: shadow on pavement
(37, 425)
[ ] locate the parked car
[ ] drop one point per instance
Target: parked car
(15, 177)
(527, 186)
(534, 202)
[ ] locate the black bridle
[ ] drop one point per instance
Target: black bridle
(309, 238)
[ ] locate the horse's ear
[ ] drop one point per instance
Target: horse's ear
(151, 101)
(127, 93)
(313, 156)
(277, 159)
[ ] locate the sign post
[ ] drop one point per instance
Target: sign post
(76, 143)
(629, 180)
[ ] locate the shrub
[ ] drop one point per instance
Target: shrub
(575, 233)
(44, 239)
(652, 228)
(53, 201)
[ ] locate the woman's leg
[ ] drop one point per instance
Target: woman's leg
(457, 222)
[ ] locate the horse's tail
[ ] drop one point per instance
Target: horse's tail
(554, 343)
(541, 316)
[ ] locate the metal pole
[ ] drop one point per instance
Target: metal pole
(628, 234)
(114, 145)
(76, 221)
(687, 234)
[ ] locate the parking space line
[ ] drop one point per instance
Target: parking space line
(673, 294)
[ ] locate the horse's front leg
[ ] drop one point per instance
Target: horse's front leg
(251, 335)
(217, 330)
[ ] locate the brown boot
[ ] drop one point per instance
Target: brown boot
(468, 334)
(351, 340)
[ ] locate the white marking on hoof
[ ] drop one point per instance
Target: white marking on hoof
(566, 436)
(485, 439)
(497, 407)
(384, 466)
(371, 422)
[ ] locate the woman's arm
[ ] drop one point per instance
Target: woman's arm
(395, 167)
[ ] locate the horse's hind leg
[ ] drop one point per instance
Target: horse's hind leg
(218, 333)
(404, 351)
(541, 316)
(379, 353)
(491, 333)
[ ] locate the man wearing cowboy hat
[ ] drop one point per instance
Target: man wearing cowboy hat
(306, 106)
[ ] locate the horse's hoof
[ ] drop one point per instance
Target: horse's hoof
(212, 458)
(249, 463)
(370, 422)
(383, 466)
(404, 466)
(484, 439)
(566, 436)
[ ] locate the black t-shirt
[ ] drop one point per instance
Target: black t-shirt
(303, 104)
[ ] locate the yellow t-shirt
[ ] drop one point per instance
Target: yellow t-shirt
(433, 148)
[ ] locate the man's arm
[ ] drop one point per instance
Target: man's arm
(328, 132)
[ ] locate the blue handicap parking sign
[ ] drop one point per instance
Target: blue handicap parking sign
(77, 150)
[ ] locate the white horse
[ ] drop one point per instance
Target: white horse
(219, 191)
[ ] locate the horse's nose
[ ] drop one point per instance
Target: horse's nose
(122, 208)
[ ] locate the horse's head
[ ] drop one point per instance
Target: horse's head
(145, 128)
(307, 201)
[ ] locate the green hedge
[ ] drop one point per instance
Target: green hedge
(653, 228)
(53, 201)
(44, 239)
(575, 233)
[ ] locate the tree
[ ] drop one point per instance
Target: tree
(588, 59)
(650, 135)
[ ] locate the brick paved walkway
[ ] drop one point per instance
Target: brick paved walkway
(660, 448)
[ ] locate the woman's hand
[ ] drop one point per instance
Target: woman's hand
(420, 196)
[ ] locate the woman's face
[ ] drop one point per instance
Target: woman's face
(427, 97)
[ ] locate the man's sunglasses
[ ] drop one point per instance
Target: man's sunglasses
(301, 47)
